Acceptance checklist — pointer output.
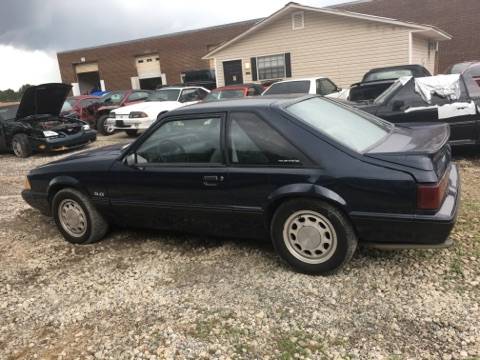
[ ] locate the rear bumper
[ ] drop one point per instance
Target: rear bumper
(37, 200)
(412, 231)
(64, 143)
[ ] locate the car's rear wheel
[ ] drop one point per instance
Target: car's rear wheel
(21, 146)
(312, 236)
(132, 133)
(103, 127)
(76, 218)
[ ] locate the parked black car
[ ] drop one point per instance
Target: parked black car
(378, 80)
(314, 175)
(404, 102)
(205, 78)
(35, 124)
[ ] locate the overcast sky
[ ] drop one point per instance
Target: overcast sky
(32, 31)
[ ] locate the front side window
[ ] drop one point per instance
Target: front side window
(325, 87)
(190, 95)
(253, 142)
(289, 87)
(271, 67)
(353, 129)
(193, 141)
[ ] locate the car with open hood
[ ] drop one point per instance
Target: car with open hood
(451, 99)
(315, 176)
(137, 117)
(35, 125)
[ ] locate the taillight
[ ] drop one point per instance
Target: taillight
(430, 197)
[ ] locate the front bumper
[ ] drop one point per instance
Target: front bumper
(412, 231)
(37, 200)
(129, 124)
(64, 143)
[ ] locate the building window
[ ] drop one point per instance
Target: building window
(271, 67)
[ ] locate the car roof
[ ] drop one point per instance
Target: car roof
(255, 102)
(397, 67)
(179, 87)
(233, 87)
(301, 79)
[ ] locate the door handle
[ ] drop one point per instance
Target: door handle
(212, 180)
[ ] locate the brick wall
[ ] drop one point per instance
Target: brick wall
(178, 52)
(460, 18)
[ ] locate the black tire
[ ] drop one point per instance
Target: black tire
(96, 225)
(101, 126)
(21, 146)
(292, 252)
(132, 133)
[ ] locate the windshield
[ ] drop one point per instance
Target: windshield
(289, 87)
(225, 94)
(164, 95)
(352, 128)
(387, 75)
(112, 98)
(67, 105)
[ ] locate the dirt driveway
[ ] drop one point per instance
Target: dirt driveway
(144, 294)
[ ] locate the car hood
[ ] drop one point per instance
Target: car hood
(148, 106)
(43, 99)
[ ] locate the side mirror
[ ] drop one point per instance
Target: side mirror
(339, 89)
(398, 105)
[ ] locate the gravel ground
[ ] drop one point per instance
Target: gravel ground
(152, 295)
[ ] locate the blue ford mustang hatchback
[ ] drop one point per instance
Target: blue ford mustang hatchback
(313, 175)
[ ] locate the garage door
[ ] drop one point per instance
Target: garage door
(84, 68)
(148, 66)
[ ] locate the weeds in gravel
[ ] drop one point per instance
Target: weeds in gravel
(297, 344)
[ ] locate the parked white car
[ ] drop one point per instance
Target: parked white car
(140, 116)
(316, 85)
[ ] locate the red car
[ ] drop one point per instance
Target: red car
(235, 91)
(79, 106)
(111, 101)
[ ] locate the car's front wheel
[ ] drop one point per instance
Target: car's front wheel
(103, 127)
(21, 146)
(77, 219)
(312, 236)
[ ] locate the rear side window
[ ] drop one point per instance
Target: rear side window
(252, 141)
(289, 87)
(325, 87)
(354, 129)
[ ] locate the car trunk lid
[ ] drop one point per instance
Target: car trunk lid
(45, 99)
(422, 146)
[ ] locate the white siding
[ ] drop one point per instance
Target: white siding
(421, 54)
(340, 48)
